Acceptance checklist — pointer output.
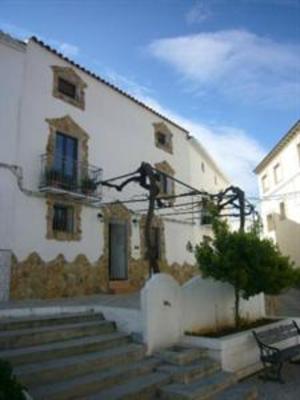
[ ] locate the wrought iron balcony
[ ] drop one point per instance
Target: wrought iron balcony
(66, 175)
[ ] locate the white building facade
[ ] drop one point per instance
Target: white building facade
(63, 130)
(279, 185)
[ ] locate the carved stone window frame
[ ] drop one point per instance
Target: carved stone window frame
(157, 222)
(166, 168)
(162, 128)
(69, 127)
(69, 75)
(75, 235)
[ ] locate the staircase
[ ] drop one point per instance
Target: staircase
(83, 356)
(76, 356)
(194, 376)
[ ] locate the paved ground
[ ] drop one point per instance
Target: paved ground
(277, 391)
(131, 300)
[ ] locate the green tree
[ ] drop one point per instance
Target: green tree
(250, 264)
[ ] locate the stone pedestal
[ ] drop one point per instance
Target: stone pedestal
(5, 267)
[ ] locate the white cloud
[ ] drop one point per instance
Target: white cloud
(236, 63)
(68, 49)
(198, 13)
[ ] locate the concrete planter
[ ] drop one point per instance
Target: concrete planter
(237, 352)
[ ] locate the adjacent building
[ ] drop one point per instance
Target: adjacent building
(63, 130)
(279, 185)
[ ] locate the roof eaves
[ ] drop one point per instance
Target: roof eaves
(98, 78)
(278, 147)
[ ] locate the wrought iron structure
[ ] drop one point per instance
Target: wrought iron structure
(229, 203)
(66, 175)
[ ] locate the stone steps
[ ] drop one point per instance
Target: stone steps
(94, 382)
(238, 392)
(142, 388)
(40, 321)
(181, 355)
(72, 347)
(83, 356)
(189, 373)
(77, 356)
(58, 370)
(201, 389)
(35, 336)
(196, 377)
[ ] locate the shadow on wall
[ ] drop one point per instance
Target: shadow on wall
(287, 234)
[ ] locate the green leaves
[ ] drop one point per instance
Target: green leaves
(250, 264)
(10, 389)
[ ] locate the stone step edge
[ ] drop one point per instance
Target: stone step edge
(49, 318)
(63, 345)
(67, 362)
(67, 387)
(139, 386)
(203, 389)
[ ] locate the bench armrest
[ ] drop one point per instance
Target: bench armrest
(266, 351)
(296, 326)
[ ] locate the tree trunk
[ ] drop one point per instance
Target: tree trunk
(237, 307)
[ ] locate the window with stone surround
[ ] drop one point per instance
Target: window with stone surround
(165, 182)
(63, 219)
(163, 137)
(68, 86)
(265, 183)
(277, 173)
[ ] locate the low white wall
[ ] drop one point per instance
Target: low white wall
(168, 309)
(238, 352)
(209, 304)
(161, 301)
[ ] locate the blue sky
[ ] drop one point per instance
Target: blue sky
(228, 70)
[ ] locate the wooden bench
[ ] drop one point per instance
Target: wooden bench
(273, 357)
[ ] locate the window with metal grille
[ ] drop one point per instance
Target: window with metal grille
(67, 88)
(63, 218)
(166, 184)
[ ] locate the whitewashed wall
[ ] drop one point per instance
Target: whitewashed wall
(121, 137)
(169, 309)
(286, 231)
(210, 304)
(161, 302)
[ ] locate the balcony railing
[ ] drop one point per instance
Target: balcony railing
(62, 175)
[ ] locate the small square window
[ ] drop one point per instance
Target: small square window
(67, 88)
(202, 166)
(282, 211)
(265, 183)
(162, 139)
(166, 184)
(277, 173)
(63, 218)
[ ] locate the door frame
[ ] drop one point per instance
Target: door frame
(126, 224)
